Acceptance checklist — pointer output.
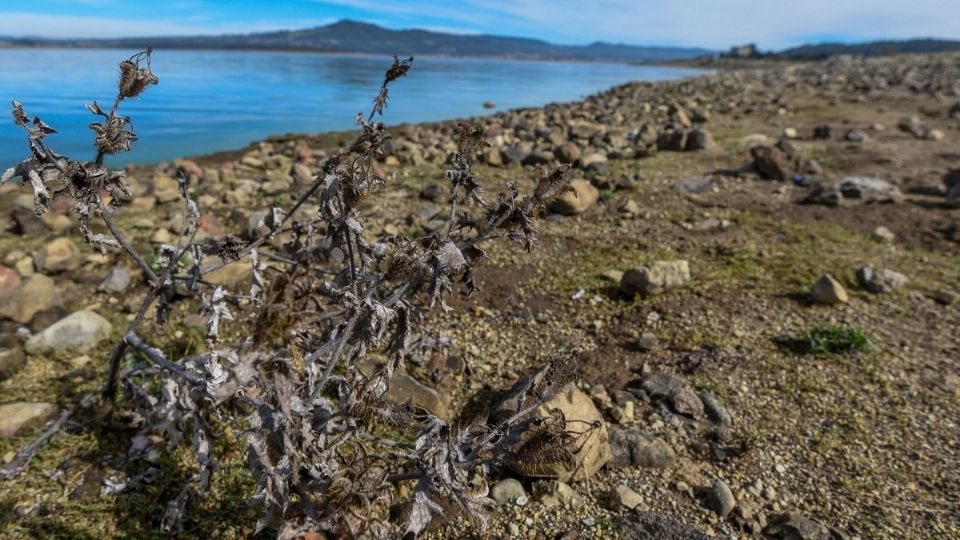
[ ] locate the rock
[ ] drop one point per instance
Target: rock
(623, 496)
(883, 234)
(584, 196)
(755, 139)
(509, 491)
(714, 409)
(699, 139)
(492, 157)
(404, 388)
(22, 415)
(24, 267)
(882, 281)
(679, 115)
(190, 167)
(857, 188)
(39, 293)
(612, 275)
(510, 155)
(791, 133)
(594, 162)
(78, 332)
(302, 174)
(647, 341)
(552, 493)
(823, 132)
(828, 291)
(434, 192)
(795, 526)
(623, 413)
(944, 297)
(655, 278)
(647, 136)
(630, 447)
(539, 157)
(568, 152)
(165, 189)
(953, 197)
(772, 162)
(394, 161)
(56, 256)
(590, 446)
(586, 130)
(231, 274)
(856, 136)
(913, 126)
(631, 208)
(9, 279)
(11, 360)
(672, 138)
(719, 498)
(117, 280)
(685, 401)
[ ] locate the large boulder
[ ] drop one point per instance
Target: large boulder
(77, 332)
(590, 448)
(39, 293)
(583, 196)
(655, 278)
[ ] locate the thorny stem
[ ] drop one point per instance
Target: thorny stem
(151, 275)
(157, 357)
(110, 388)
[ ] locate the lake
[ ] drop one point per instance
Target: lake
(210, 101)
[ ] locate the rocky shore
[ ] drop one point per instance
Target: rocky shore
(761, 268)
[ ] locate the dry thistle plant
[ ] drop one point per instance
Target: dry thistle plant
(325, 447)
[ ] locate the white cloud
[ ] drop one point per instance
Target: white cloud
(69, 26)
(710, 23)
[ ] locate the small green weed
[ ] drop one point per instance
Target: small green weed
(834, 339)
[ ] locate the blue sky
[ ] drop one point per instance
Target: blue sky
(774, 24)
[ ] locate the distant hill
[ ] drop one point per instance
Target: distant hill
(352, 36)
(874, 48)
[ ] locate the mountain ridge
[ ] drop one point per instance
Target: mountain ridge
(349, 36)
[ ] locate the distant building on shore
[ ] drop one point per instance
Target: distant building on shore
(749, 50)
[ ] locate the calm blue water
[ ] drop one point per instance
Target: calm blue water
(209, 101)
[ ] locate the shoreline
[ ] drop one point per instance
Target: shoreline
(221, 156)
(310, 51)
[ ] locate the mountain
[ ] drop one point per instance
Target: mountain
(353, 36)
(874, 48)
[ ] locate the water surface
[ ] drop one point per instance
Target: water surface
(209, 101)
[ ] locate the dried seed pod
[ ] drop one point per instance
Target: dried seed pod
(133, 78)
